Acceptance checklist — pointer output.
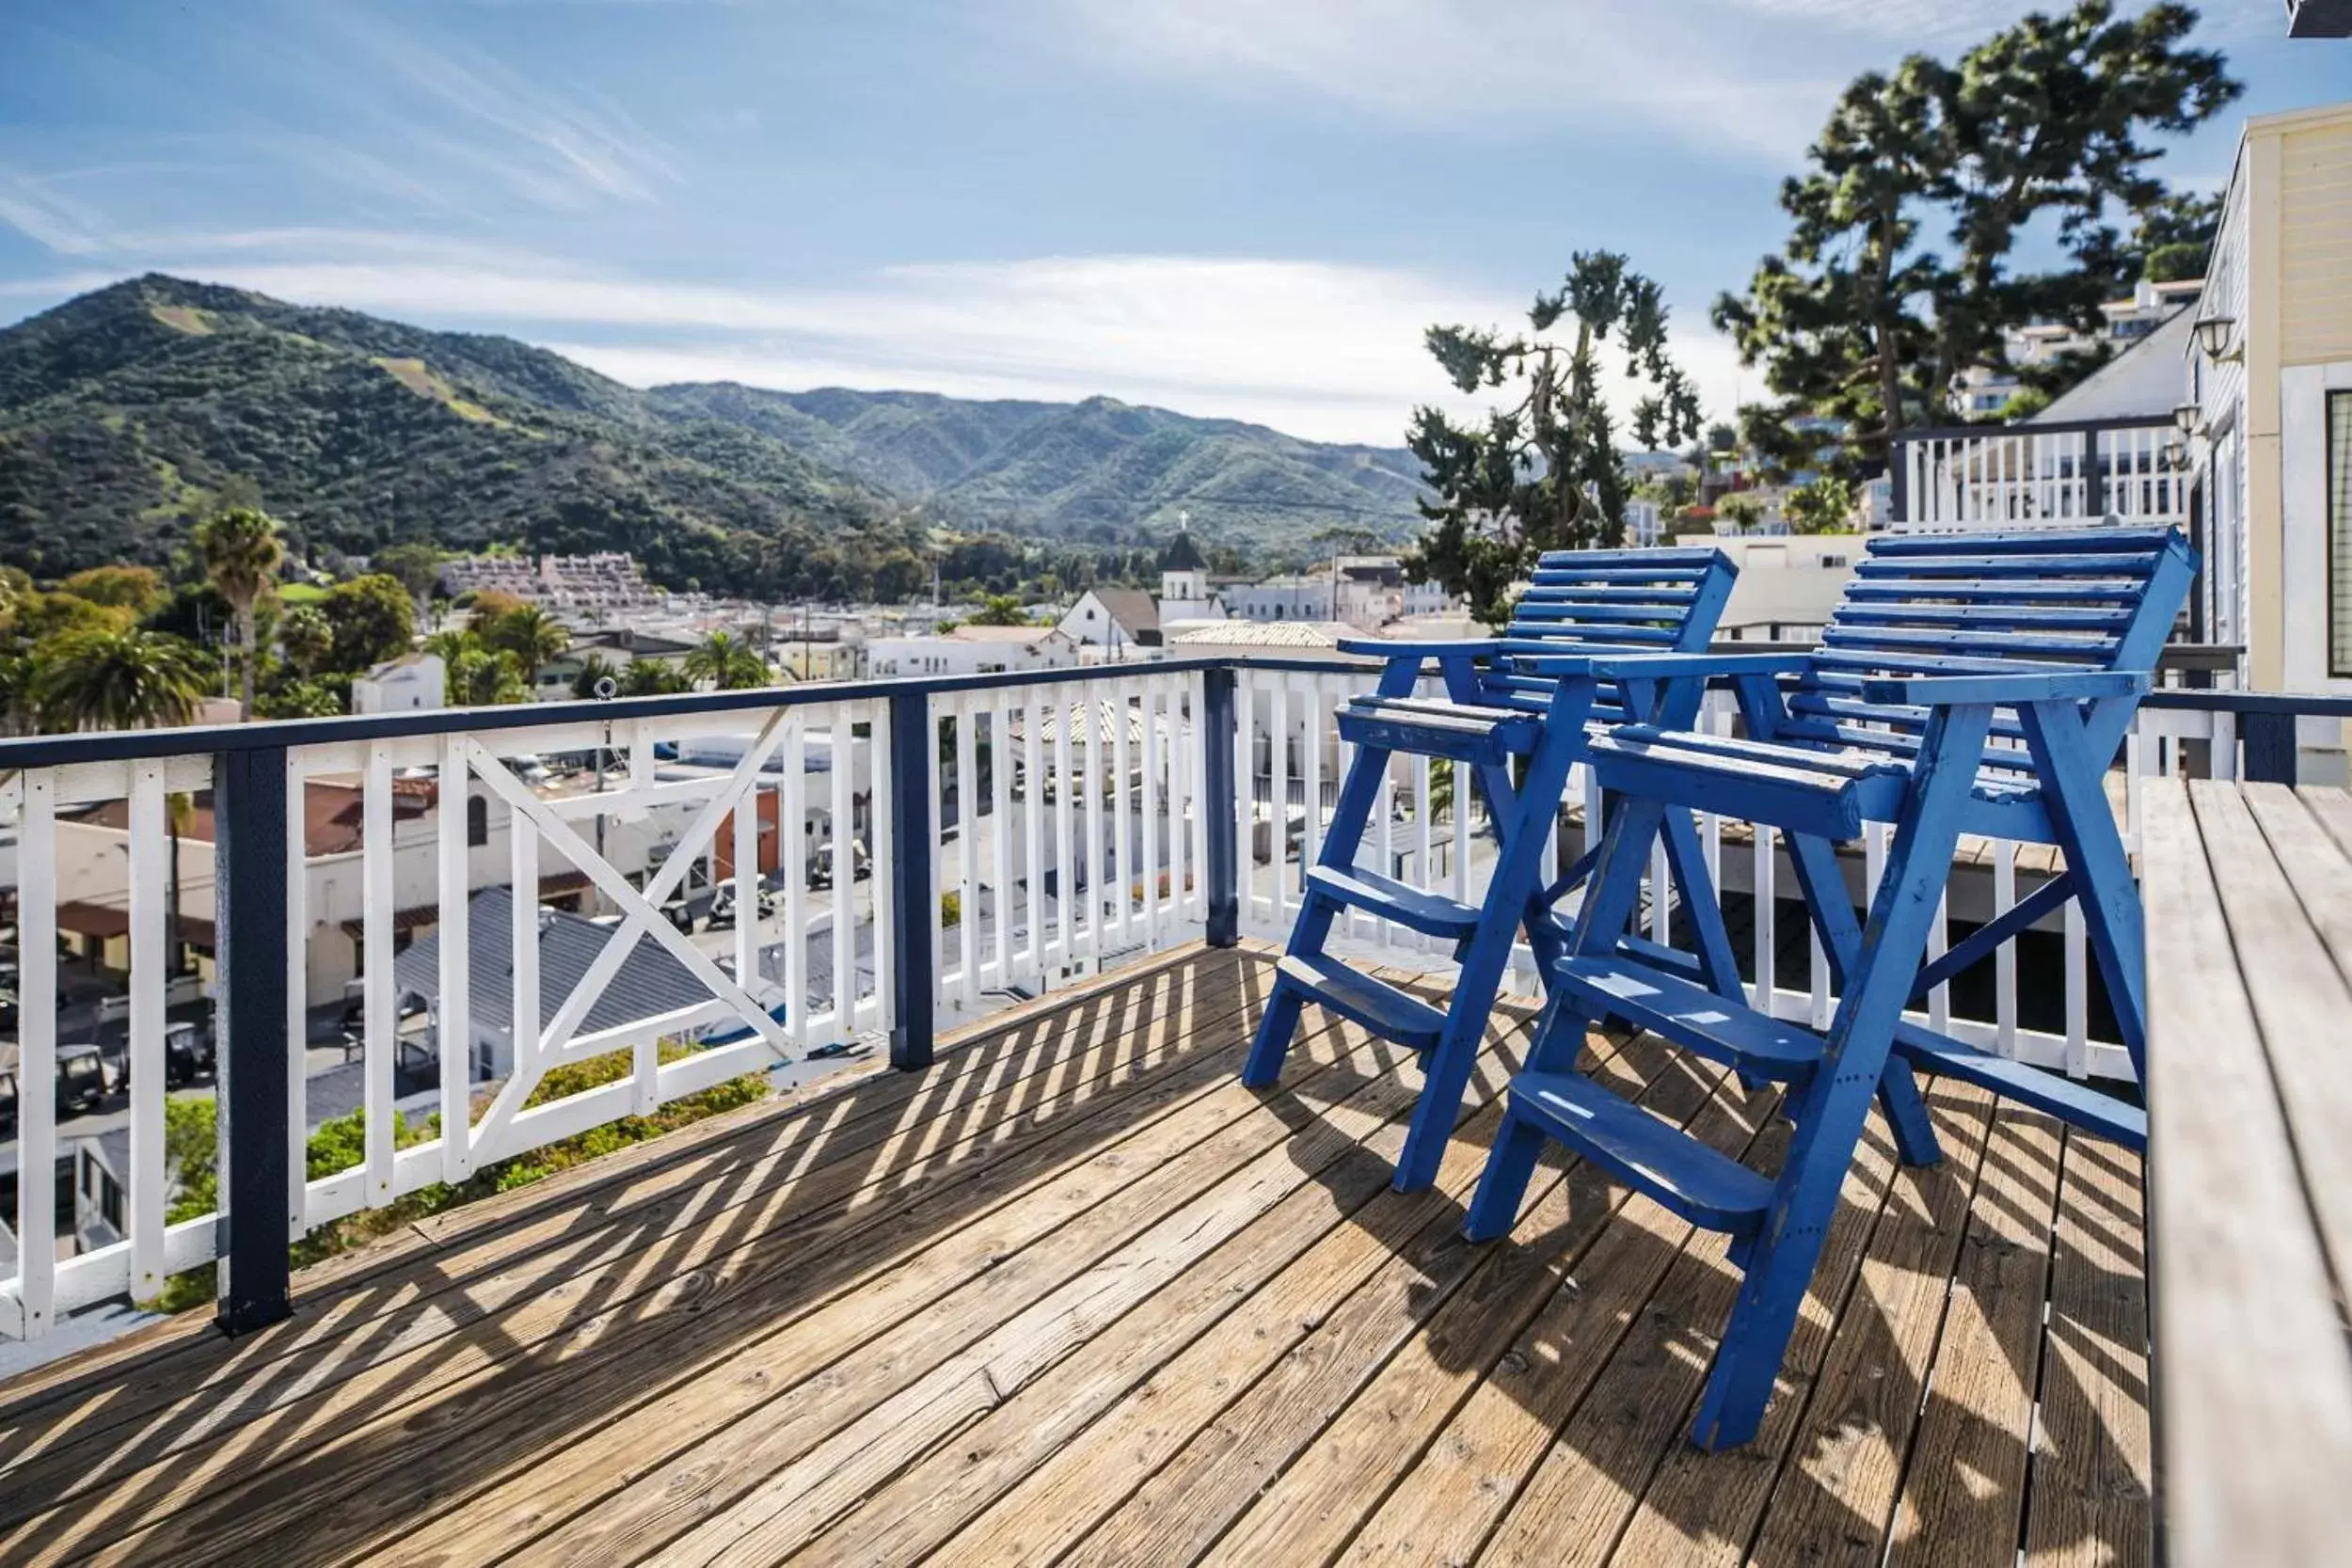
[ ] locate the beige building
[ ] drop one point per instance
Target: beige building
(2269, 373)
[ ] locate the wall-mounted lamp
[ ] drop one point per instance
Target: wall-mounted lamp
(2188, 415)
(2214, 334)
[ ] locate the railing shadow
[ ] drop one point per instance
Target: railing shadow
(553, 1323)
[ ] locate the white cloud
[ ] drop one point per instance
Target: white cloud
(1321, 350)
(1752, 79)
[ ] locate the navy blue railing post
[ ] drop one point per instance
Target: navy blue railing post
(912, 743)
(1898, 481)
(2269, 747)
(255, 1115)
(1221, 802)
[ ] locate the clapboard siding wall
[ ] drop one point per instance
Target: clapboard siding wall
(2315, 241)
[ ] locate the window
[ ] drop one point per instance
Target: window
(2340, 533)
(477, 821)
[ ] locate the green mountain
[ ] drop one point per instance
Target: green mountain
(120, 410)
(1099, 469)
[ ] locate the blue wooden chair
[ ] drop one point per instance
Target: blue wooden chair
(1495, 712)
(1940, 646)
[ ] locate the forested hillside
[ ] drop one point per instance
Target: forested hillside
(121, 411)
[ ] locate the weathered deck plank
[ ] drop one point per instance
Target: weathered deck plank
(1077, 1296)
(2256, 1383)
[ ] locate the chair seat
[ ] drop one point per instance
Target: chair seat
(1432, 726)
(1807, 787)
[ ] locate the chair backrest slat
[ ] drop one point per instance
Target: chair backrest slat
(1594, 602)
(1989, 604)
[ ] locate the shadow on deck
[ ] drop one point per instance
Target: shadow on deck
(1075, 1295)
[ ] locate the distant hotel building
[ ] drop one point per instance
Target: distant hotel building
(591, 587)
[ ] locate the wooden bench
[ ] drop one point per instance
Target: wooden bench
(2249, 898)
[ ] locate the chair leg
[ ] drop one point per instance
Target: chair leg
(1502, 1185)
(1509, 895)
(1907, 1114)
(1833, 1104)
(2075, 795)
(1272, 1042)
(1687, 861)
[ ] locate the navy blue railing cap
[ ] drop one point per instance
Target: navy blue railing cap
(56, 751)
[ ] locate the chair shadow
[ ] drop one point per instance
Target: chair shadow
(1663, 1349)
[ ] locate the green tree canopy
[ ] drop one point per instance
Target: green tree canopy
(1825, 506)
(306, 636)
(1899, 270)
(727, 663)
(372, 617)
(136, 589)
(1543, 472)
(651, 677)
(535, 637)
(116, 680)
(1000, 609)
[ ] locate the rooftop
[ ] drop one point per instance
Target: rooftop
(1076, 1295)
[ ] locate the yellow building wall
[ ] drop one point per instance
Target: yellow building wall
(2315, 242)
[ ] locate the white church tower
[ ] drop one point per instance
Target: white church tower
(1184, 594)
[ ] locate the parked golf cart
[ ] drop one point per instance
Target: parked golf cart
(80, 1080)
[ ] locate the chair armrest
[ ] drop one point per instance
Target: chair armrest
(1668, 666)
(1392, 648)
(2004, 690)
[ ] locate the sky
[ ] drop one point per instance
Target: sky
(1242, 208)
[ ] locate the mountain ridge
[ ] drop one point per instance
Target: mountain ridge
(121, 408)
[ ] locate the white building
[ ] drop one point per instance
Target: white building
(1124, 621)
(1788, 586)
(972, 651)
(409, 684)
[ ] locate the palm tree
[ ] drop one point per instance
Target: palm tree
(593, 671)
(728, 663)
(529, 633)
(116, 680)
(650, 677)
(242, 551)
(124, 680)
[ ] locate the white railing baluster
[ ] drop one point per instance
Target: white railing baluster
(843, 743)
(524, 1020)
(967, 855)
(37, 1051)
(148, 873)
(1154, 811)
(2005, 957)
(2077, 994)
(1090, 715)
(378, 1026)
(879, 1011)
(792, 851)
(1032, 820)
(1000, 835)
(1121, 864)
(453, 1036)
(1767, 972)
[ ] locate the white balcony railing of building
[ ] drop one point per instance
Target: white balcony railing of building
(896, 856)
(2062, 474)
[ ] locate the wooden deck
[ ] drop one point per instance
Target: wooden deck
(2250, 1097)
(1077, 1296)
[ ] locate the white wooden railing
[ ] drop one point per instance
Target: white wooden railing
(1077, 818)
(2030, 476)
